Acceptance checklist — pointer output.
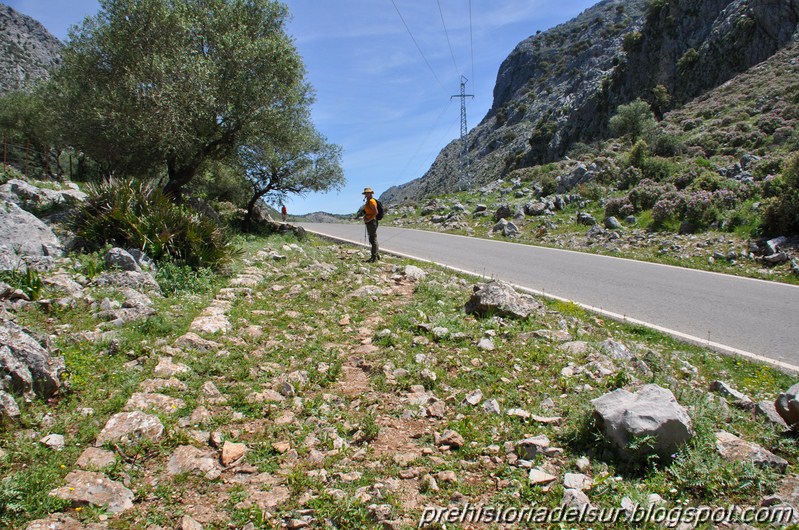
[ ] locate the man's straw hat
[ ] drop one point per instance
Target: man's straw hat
(367, 190)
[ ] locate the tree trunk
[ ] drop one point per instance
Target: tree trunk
(178, 177)
(248, 219)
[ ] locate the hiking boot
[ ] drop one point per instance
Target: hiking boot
(371, 260)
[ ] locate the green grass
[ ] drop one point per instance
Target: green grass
(522, 372)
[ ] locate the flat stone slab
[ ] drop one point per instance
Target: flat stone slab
(167, 368)
(195, 342)
(231, 452)
(154, 385)
(211, 324)
(268, 500)
(733, 448)
(96, 458)
(130, 427)
(62, 521)
(190, 459)
(539, 477)
(577, 481)
(95, 489)
(152, 401)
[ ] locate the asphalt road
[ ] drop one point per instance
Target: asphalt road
(754, 318)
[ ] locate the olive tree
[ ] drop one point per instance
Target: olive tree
(633, 120)
(26, 119)
(297, 161)
(160, 87)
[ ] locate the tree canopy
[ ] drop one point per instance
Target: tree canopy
(298, 160)
(154, 87)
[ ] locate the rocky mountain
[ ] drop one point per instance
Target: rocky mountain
(559, 88)
(27, 50)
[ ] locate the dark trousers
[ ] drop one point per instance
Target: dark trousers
(371, 229)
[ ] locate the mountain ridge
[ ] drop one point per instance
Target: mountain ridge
(29, 51)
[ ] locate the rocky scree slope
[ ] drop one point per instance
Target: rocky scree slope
(561, 86)
(27, 50)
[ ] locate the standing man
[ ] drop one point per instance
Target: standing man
(283, 212)
(370, 218)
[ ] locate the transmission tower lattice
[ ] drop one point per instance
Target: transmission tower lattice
(464, 156)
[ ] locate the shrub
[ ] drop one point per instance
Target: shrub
(130, 213)
(581, 151)
(765, 167)
(781, 215)
(28, 281)
(773, 187)
(646, 194)
(629, 178)
(618, 207)
(632, 40)
(666, 145)
(689, 58)
(633, 120)
(9, 173)
(638, 154)
(707, 182)
(699, 208)
(548, 184)
(658, 169)
(591, 191)
(790, 173)
(175, 279)
(667, 208)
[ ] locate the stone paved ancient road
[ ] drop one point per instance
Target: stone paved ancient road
(732, 314)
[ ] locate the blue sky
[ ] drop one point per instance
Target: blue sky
(385, 102)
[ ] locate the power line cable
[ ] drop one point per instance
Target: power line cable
(424, 141)
(430, 158)
(449, 43)
(417, 46)
(471, 40)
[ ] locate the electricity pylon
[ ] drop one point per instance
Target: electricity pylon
(465, 180)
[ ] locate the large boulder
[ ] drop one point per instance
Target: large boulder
(653, 411)
(578, 175)
(503, 212)
(24, 236)
(25, 366)
(118, 258)
(500, 299)
(787, 405)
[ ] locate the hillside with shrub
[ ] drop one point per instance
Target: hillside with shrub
(558, 90)
(706, 186)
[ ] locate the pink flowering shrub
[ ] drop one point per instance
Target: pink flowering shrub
(647, 193)
(699, 208)
(619, 207)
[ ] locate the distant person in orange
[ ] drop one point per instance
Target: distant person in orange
(370, 218)
(283, 212)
